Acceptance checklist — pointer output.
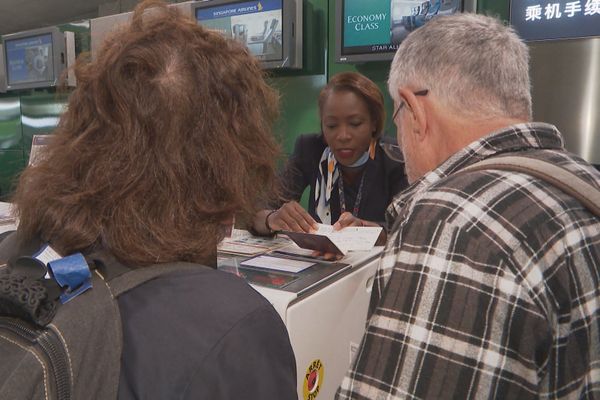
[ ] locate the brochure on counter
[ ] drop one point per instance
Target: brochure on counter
(278, 264)
(244, 243)
(6, 216)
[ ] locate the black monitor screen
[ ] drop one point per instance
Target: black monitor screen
(378, 26)
(555, 19)
(29, 59)
(257, 24)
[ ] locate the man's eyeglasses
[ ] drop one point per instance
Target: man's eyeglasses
(419, 93)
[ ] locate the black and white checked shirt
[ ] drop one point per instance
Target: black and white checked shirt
(489, 285)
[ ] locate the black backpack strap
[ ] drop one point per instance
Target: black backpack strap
(4, 235)
(11, 247)
(91, 325)
(8, 242)
(559, 177)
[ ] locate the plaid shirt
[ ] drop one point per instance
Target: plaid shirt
(489, 285)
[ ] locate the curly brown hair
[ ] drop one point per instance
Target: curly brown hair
(167, 135)
(364, 88)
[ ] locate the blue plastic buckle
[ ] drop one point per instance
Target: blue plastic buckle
(72, 273)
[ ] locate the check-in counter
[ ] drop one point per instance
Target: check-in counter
(324, 308)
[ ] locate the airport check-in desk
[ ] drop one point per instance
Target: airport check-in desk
(324, 309)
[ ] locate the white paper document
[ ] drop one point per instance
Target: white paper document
(326, 240)
(351, 238)
(278, 264)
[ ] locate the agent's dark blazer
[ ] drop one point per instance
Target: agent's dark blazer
(385, 178)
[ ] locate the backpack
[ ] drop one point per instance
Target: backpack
(51, 350)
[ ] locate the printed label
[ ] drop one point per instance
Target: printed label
(313, 379)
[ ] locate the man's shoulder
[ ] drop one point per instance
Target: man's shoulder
(461, 188)
(497, 202)
(493, 185)
(490, 208)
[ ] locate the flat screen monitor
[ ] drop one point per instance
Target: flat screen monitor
(2, 70)
(33, 59)
(269, 28)
(555, 19)
(372, 30)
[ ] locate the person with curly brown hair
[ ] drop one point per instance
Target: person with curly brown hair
(166, 137)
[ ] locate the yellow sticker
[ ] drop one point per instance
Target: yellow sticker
(313, 380)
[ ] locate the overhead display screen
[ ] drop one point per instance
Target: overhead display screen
(555, 19)
(256, 24)
(377, 27)
(29, 59)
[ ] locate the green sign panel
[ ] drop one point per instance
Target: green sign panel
(366, 22)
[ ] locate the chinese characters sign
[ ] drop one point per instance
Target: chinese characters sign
(555, 19)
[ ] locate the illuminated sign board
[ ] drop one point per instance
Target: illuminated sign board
(555, 19)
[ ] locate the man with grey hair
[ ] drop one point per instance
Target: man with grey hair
(489, 285)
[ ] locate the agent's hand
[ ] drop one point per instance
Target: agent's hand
(327, 256)
(292, 217)
(347, 219)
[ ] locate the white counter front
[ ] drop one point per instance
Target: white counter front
(325, 315)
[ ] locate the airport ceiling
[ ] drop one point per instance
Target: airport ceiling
(21, 15)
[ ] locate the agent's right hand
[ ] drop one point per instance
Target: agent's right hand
(292, 217)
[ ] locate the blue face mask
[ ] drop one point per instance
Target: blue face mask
(361, 161)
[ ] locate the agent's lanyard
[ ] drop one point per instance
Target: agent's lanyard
(358, 195)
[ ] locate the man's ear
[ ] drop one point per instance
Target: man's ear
(417, 110)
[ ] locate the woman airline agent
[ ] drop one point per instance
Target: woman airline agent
(351, 178)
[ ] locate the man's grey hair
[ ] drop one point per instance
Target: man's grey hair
(473, 63)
